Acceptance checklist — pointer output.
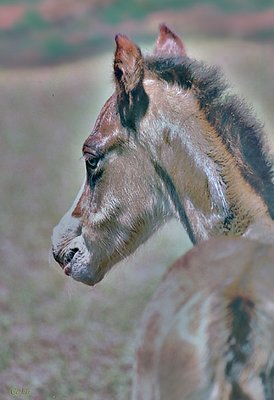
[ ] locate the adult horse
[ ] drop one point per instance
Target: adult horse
(173, 141)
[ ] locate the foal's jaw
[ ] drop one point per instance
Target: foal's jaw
(88, 261)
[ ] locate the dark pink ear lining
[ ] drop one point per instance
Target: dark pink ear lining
(168, 43)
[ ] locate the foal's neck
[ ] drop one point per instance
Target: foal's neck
(217, 198)
(213, 208)
(210, 193)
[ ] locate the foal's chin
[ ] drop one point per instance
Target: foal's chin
(84, 273)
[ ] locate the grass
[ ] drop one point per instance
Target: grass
(122, 9)
(40, 39)
(61, 339)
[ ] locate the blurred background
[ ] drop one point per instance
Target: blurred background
(60, 339)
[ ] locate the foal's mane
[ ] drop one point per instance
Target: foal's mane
(233, 121)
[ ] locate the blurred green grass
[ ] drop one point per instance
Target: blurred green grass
(61, 339)
(122, 9)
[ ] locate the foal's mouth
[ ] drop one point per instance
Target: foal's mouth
(78, 271)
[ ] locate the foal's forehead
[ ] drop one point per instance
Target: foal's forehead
(108, 112)
(106, 127)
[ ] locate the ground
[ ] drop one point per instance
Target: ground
(59, 338)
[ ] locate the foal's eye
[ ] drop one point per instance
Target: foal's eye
(92, 162)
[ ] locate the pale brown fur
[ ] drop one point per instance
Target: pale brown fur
(186, 358)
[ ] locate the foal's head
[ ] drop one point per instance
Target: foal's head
(123, 200)
(171, 140)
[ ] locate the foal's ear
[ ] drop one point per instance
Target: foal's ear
(168, 43)
(129, 75)
(128, 64)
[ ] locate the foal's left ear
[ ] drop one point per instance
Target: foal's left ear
(129, 75)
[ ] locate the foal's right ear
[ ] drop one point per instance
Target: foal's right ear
(129, 74)
(168, 43)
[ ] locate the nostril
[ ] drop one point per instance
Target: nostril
(64, 259)
(69, 256)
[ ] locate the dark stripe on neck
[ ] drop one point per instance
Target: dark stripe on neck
(175, 199)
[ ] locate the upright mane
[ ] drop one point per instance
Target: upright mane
(233, 121)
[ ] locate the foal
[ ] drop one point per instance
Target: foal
(173, 141)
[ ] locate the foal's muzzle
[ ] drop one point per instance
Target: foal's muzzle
(65, 259)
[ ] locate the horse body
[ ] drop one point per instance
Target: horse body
(208, 332)
(173, 141)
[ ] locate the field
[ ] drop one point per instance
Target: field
(47, 32)
(61, 339)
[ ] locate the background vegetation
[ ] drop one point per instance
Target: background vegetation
(48, 32)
